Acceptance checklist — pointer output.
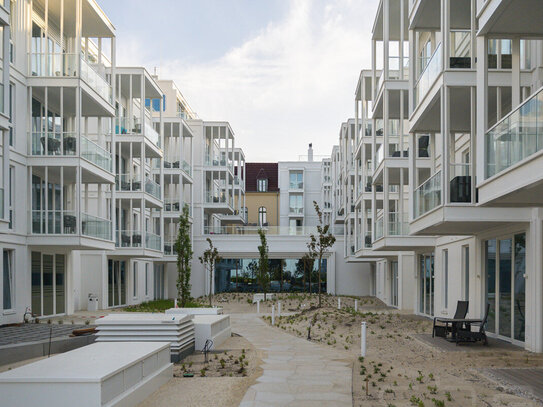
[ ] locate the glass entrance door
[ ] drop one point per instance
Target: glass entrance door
(116, 287)
(505, 261)
(426, 284)
(394, 283)
(48, 289)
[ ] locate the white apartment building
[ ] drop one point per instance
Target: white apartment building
(446, 163)
(300, 183)
(326, 192)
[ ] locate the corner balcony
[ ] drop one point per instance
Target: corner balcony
(130, 187)
(130, 130)
(459, 215)
(134, 243)
(66, 229)
(70, 149)
(514, 158)
(72, 70)
(218, 202)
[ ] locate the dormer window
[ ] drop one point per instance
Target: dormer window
(262, 185)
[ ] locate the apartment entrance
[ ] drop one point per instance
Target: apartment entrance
(159, 281)
(505, 263)
(48, 275)
(116, 283)
(394, 283)
(426, 284)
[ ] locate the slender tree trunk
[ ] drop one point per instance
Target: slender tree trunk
(310, 271)
(210, 284)
(303, 278)
(320, 262)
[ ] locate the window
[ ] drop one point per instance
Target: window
(465, 271)
(146, 279)
(135, 280)
(11, 107)
(296, 205)
(8, 280)
(262, 216)
(262, 185)
(445, 278)
(11, 195)
(296, 180)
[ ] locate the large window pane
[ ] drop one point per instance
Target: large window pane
(519, 287)
(505, 288)
(48, 284)
(490, 255)
(7, 280)
(60, 286)
(36, 283)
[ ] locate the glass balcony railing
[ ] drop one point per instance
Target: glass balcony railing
(152, 134)
(379, 156)
(216, 198)
(428, 195)
(516, 137)
(66, 65)
(152, 241)
(128, 238)
(169, 248)
(127, 183)
(379, 224)
(127, 125)
(270, 230)
(55, 222)
(216, 161)
(295, 210)
(460, 182)
(296, 185)
(186, 167)
(172, 205)
(429, 75)
(367, 240)
(396, 226)
(151, 187)
(95, 226)
(95, 154)
(53, 143)
(1, 203)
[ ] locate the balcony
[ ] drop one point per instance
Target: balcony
(133, 239)
(379, 227)
(513, 157)
(296, 211)
(169, 248)
(95, 154)
(152, 241)
(429, 75)
(95, 226)
(152, 188)
(296, 185)
(69, 65)
(172, 205)
(186, 167)
(379, 156)
(132, 126)
(270, 230)
(428, 195)
(397, 227)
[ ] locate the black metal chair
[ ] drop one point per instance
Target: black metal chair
(443, 326)
(468, 335)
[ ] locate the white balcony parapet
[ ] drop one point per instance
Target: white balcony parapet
(269, 230)
(429, 75)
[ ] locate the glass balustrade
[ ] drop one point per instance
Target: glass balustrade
(396, 226)
(428, 195)
(152, 134)
(53, 143)
(460, 182)
(379, 156)
(95, 154)
(128, 183)
(128, 238)
(171, 205)
(151, 187)
(57, 222)
(295, 210)
(217, 197)
(152, 241)
(127, 125)
(367, 240)
(169, 248)
(429, 75)
(187, 168)
(270, 230)
(95, 226)
(66, 65)
(379, 227)
(516, 137)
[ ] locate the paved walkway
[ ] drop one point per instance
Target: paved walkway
(296, 372)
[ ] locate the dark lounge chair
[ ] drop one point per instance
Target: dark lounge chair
(468, 335)
(443, 326)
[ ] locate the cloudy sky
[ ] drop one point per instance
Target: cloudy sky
(282, 72)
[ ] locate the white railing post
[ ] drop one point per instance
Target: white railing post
(273, 315)
(279, 308)
(258, 307)
(355, 305)
(339, 303)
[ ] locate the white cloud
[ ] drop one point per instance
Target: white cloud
(291, 84)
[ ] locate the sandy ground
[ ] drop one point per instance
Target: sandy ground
(217, 388)
(401, 370)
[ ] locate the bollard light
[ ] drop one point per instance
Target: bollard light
(339, 303)
(363, 340)
(258, 307)
(355, 305)
(273, 314)
(279, 309)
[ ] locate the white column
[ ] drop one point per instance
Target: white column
(482, 106)
(515, 73)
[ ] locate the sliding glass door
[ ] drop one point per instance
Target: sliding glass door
(426, 284)
(48, 291)
(394, 283)
(116, 287)
(505, 261)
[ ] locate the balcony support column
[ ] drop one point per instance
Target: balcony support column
(445, 32)
(472, 141)
(386, 201)
(482, 107)
(445, 144)
(386, 38)
(515, 72)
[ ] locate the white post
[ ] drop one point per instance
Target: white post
(258, 307)
(355, 305)
(279, 308)
(175, 303)
(363, 340)
(273, 314)
(339, 303)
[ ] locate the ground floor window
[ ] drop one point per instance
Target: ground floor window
(159, 281)
(505, 290)
(116, 283)
(48, 275)
(7, 279)
(394, 283)
(286, 275)
(426, 284)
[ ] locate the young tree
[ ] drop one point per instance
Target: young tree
(209, 259)
(183, 248)
(319, 245)
(263, 275)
